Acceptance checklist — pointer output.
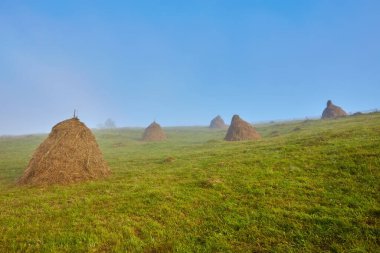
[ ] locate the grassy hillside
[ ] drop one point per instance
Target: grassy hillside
(309, 186)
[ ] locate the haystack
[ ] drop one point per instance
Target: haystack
(217, 123)
(154, 132)
(241, 130)
(69, 154)
(333, 111)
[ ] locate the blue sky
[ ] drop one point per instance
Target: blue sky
(184, 62)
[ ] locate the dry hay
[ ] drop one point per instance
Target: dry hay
(154, 132)
(241, 130)
(333, 111)
(69, 154)
(217, 123)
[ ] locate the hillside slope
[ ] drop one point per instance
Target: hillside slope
(307, 186)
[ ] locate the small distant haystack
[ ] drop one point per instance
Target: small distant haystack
(217, 123)
(69, 154)
(154, 132)
(241, 130)
(333, 111)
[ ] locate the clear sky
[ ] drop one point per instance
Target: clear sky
(184, 62)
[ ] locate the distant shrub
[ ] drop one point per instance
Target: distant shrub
(108, 124)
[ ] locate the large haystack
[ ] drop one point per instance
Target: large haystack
(241, 130)
(69, 154)
(154, 132)
(333, 111)
(217, 123)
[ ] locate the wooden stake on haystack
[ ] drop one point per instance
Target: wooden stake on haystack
(75, 114)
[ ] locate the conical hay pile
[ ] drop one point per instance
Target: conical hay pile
(241, 130)
(69, 154)
(154, 132)
(333, 111)
(217, 123)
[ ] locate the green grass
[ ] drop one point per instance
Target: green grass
(307, 186)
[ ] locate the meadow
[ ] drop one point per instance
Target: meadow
(306, 186)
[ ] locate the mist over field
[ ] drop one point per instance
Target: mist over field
(189, 126)
(182, 63)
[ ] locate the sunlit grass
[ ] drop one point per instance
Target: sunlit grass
(307, 186)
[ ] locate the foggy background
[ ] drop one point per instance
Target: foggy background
(184, 62)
